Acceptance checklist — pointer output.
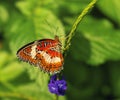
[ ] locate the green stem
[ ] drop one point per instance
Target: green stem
(56, 97)
(76, 23)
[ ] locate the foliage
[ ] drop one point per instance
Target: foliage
(91, 64)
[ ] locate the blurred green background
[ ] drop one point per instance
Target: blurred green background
(92, 64)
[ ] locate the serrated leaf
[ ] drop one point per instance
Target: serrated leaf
(39, 76)
(111, 9)
(98, 43)
(42, 24)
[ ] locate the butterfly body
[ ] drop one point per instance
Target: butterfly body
(45, 53)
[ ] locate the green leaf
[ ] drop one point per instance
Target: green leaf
(3, 14)
(111, 9)
(11, 71)
(22, 30)
(25, 7)
(74, 6)
(38, 76)
(30, 91)
(35, 91)
(97, 43)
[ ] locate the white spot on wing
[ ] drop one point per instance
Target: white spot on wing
(48, 58)
(33, 51)
(55, 60)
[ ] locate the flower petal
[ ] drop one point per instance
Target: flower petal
(57, 86)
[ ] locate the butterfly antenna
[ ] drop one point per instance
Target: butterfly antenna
(50, 26)
(64, 37)
(57, 29)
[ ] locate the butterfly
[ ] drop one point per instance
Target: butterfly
(44, 53)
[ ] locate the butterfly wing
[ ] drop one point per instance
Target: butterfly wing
(50, 61)
(50, 58)
(44, 53)
(25, 52)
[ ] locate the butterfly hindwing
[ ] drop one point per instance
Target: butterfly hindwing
(51, 61)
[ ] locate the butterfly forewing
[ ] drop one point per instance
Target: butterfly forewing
(24, 54)
(45, 53)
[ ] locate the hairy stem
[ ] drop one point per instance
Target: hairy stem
(76, 23)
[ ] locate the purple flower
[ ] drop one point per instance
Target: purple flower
(57, 86)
